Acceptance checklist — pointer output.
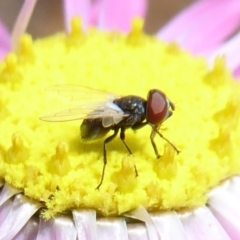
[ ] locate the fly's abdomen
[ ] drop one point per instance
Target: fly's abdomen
(92, 129)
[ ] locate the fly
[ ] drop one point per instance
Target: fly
(102, 111)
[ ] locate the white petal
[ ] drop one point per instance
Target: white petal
(7, 192)
(137, 231)
(61, 228)
(112, 228)
(234, 185)
(141, 214)
(22, 210)
(86, 224)
(169, 225)
(200, 224)
(5, 208)
(29, 231)
(226, 208)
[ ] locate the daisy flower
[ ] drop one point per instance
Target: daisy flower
(49, 177)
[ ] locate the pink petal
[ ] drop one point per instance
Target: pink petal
(94, 12)
(229, 49)
(225, 207)
(165, 222)
(183, 21)
(20, 213)
(118, 15)
(201, 224)
(236, 72)
(5, 41)
(61, 228)
(22, 21)
(86, 225)
(203, 25)
(73, 8)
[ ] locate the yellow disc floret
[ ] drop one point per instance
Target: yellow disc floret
(49, 162)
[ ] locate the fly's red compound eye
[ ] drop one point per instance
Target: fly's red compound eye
(157, 107)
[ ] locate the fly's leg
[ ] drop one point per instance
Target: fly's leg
(107, 140)
(152, 135)
(155, 130)
(142, 124)
(122, 136)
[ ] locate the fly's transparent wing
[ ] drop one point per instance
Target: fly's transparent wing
(108, 115)
(81, 94)
(92, 104)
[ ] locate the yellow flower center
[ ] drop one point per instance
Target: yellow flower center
(50, 164)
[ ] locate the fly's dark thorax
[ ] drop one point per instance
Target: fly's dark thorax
(92, 128)
(134, 106)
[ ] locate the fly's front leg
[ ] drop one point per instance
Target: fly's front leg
(142, 124)
(107, 140)
(122, 136)
(155, 130)
(152, 135)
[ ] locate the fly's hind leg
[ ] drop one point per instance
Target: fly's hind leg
(122, 137)
(107, 140)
